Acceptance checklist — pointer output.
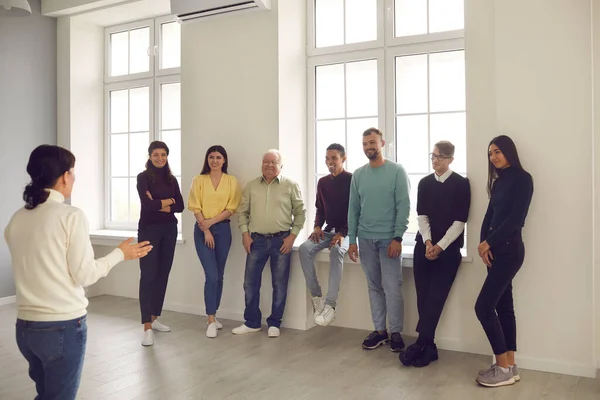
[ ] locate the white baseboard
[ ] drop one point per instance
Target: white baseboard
(8, 300)
(556, 366)
(292, 323)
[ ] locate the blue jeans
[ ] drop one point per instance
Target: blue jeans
(55, 352)
(213, 261)
(307, 252)
(384, 279)
(265, 247)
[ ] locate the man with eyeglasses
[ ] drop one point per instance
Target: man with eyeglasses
(443, 201)
(270, 216)
(378, 217)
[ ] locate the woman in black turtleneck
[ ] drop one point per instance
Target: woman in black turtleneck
(510, 188)
(161, 198)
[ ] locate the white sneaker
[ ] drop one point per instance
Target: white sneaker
(326, 317)
(148, 338)
(157, 326)
(273, 332)
(211, 331)
(243, 329)
(318, 303)
(219, 325)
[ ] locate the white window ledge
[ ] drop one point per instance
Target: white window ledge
(407, 256)
(108, 237)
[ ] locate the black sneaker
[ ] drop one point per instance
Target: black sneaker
(428, 355)
(374, 340)
(412, 352)
(396, 342)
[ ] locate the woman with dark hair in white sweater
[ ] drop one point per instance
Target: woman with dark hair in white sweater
(53, 261)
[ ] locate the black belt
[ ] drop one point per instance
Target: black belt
(270, 235)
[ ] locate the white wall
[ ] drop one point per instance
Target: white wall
(27, 110)
(596, 148)
(529, 75)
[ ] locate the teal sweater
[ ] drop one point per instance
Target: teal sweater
(379, 202)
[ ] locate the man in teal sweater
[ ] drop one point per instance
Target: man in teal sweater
(378, 216)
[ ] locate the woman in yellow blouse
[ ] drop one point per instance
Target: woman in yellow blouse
(214, 197)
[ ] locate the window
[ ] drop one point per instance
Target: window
(404, 74)
(142, 91)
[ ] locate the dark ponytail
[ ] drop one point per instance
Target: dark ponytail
(46, 165)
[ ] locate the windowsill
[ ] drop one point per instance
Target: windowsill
(111, 237)
(407, 256)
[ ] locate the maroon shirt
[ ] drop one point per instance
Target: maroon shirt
(333, 196)
(155, 181)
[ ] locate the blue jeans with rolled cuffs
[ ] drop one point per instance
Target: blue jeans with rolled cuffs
(55, 352)
(213, 261)
(265, 247)
(384, 280)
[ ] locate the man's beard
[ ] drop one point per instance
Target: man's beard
(373, 155)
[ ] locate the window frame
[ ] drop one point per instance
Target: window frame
(386, 48)
(153, 80)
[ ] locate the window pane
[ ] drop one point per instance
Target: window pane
(119, 51)
(139, 42)
(119, 146)
(119, 199)
(452, 127)
(328, 132)
(412, 145)
(411, 84)
(447, 81)
(171, 106)
(134, 201)
(173, 140)
(446, 15)
(330, 91)
(170, 53)
(361, 21)
(413, 225)
(354, 149)
(329, 22)
(411, 17)
(361, 83)
(139, 104)
(119, 111)
(138, 152)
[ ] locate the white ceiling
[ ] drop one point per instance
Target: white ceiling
(129, 12)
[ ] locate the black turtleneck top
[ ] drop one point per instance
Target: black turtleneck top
(509, 203)
(155, 181)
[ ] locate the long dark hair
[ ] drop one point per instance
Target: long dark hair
(46, 165)
(509, 149)
(213, 149)
(157, 144)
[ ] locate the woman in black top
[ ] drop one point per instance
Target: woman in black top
(160, 197)
(510, 188)
(443, 202)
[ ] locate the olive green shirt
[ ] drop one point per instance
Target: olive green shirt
(268, 208)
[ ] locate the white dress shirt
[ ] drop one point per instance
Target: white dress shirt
(53, 259)
(455, 230)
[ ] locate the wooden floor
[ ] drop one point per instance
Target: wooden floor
(322, 363)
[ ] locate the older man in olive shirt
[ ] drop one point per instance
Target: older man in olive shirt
(270, 216)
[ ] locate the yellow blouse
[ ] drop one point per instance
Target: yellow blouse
(210, 202)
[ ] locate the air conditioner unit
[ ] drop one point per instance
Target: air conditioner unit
(193, 9)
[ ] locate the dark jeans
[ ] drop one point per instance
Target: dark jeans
(55, 353)
(494, 306)
(263, 248)
(213, 261)
(155, 267)
(433, 281)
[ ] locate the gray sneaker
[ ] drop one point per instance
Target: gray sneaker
(515, 371)
(495, 377)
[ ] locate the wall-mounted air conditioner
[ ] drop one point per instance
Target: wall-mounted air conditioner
(193, 9)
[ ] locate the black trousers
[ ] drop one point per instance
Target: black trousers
(155, 267)
(494, 306)
(433, 281)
